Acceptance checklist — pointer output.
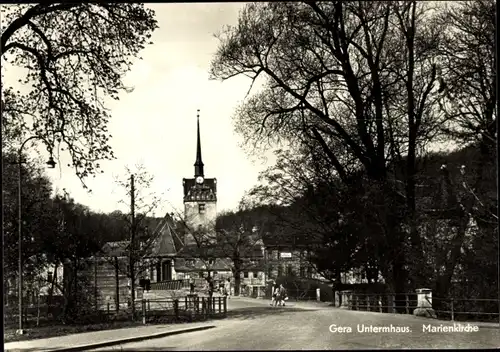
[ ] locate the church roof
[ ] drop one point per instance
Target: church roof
(206, 191)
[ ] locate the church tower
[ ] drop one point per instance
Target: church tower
(200, 199)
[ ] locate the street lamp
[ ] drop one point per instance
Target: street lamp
(51, 164)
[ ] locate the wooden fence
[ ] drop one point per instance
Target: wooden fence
(189, 308)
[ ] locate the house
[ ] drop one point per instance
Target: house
(180, 249)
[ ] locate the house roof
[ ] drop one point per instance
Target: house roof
(167, 241)
(218, 251)
(115, 249)
(219, 264)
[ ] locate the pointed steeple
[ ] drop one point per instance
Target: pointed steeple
(198, 165)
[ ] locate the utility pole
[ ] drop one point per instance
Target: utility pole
(132, 244)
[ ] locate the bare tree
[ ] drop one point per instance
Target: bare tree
(142, 202)
(468, 76)
(335, 73)
(240, 239)
(70, 57)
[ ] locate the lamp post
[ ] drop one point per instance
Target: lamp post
(51, 164)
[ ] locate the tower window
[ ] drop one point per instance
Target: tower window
(201, 208)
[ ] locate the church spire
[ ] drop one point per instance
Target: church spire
(198, 165)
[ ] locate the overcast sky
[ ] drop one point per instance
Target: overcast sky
(156, 123)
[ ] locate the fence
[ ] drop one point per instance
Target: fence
(49, 314)
(461, 309)
(302, 295)
(189, 308)
(170, 285)
(404, 303)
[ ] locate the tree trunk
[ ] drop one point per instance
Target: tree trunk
(444, 281)
(51, 290)
(237, 281)
(117, 287)
(132, 288)
(75, 293)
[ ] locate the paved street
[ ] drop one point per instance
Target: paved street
(253, 324)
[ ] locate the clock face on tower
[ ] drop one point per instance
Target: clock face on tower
(199, 180)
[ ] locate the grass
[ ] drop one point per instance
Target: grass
(52, 328)
(60, 330)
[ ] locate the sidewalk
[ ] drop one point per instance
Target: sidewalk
(84, 341)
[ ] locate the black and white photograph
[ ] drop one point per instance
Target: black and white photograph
(301, 175)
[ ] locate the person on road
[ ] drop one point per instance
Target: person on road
(276, 296)
(191, 286)
(273, 296)
(280, 295)
(210, 287)
(227, 288)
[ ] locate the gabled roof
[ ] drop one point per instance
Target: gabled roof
(167, 241)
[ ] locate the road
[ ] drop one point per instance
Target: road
(253, 324)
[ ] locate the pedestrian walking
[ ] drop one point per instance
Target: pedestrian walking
(191, 286)
(273, 296)
(276, 296)
(210, 287)
(227, 288)
(281, 296)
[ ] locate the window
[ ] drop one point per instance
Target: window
(245, 274)
(200, 274)
(280, 270)
(49, 276)
(201, 208)
(302, 271)
(255, 274)
(269, 270)
(289, 270)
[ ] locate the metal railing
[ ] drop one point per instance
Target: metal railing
(302, 295)
(403, 303)
(463, 309)
(170, 285)
(483, 309)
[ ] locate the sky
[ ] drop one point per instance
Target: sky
(155, 125)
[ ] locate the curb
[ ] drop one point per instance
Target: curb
(129, 339)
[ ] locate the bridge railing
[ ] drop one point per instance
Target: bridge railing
(170, 285)
(454, 309)
(404, 303)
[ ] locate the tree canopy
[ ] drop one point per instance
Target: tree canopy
(360, 93)
(70, 57)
